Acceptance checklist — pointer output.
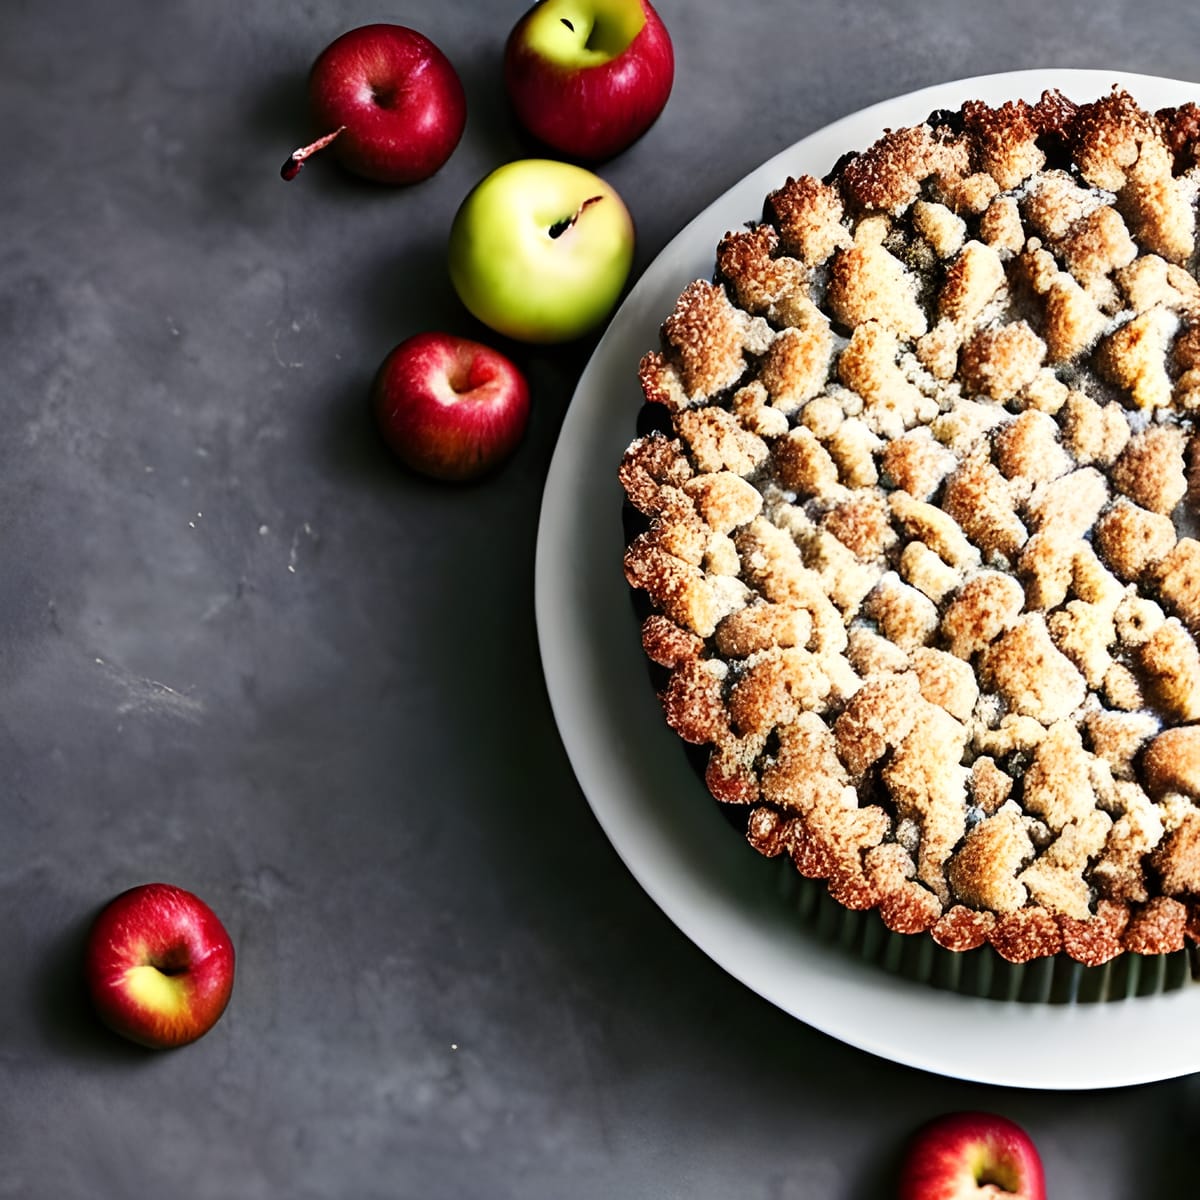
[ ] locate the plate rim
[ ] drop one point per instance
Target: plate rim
(934, 1030)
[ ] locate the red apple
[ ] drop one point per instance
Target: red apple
(450, 407)
(589, 77)
(159, 966)
(970, 1156)
(389, 102)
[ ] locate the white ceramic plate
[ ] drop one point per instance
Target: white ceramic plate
(631, 768)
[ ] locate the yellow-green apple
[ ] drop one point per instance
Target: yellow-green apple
(159, 966)
(388, 102)
(971, 1156)
(540, 250)
(450, 407)
(589, 77)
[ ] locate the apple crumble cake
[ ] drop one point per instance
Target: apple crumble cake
(918, 533)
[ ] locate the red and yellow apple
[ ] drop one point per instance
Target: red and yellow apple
(389, 104)
(540, 250)
(159, 966)
(971, 1156)
(589, 77)
(450, 407)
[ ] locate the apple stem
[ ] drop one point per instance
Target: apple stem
(291, 168)
(561, 227)
(567, 24)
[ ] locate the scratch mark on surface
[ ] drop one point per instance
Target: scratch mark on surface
(305, 530)
(143, 695)
(275, 336)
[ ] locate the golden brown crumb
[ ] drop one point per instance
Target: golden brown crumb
(1005, 141)
(853, 446)
(941, 228)
(1172, 762)
(990, 786)
(1030, 448)
(693, 704)
(1071, 322)
(988, 604)
(999, 362)
(803, 465)
(1056, 880)
(1178, 579)
(724, 500)
(1094, 433)
(1084, 632)
(916, 463)
(888, 176)
(927, 572)
(868, 365)
(1177, 858)
(906, 616)
(861, 524)
(719, 443)
(870, 654)
(1157, 206)
(972, 280)
(867, 284)
(937, 529)
(808, 214)
(979, 498)
(1069, 504)
(1130, 538)
(946, 681)
(1029, 671)
(983, 873)
(1117, 737)
(928, 785)
(1000, 226)
(1134, 357)
(1107, 138)
(762, 626)
(1055, 204)
(746, 259)
(1150, 470)
(1170, 662)
(710, 338)
(1149, 281)
(1096, 245)
(668, 645)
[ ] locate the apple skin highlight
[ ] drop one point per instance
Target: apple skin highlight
(159, 966)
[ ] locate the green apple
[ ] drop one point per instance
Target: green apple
(540, 250)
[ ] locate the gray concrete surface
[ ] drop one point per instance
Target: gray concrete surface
(242, 651)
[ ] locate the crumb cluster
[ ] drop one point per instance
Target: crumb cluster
(920, 532)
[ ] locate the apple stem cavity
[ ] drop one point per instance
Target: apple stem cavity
(291, 168)
(561, 227)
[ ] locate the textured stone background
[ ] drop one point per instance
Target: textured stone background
(241, 651)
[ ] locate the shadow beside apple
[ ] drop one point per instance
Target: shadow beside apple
(65, 1017)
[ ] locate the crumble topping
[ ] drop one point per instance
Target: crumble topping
(920, 543)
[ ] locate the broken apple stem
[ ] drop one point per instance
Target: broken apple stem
(291, 168)
(561, 227)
